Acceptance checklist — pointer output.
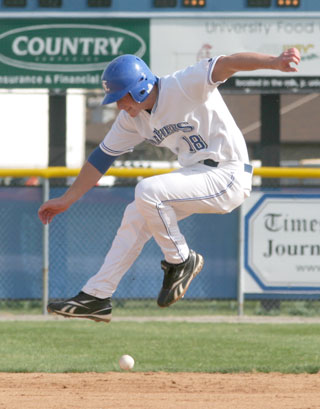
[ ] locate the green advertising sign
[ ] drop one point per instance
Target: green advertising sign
(60, 53)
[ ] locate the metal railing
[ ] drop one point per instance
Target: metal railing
(57, 172)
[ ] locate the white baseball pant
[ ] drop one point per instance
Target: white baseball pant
(160, 202)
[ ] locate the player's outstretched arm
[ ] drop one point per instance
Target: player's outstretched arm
(87, 178)
(226, 66)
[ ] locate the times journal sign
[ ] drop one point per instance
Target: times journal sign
(54, 54)
(282, 243)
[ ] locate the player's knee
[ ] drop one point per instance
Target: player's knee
(146, 193)
(234, 201)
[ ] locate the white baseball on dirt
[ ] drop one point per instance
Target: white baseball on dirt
(126, 362)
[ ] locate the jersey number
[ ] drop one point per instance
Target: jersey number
(195, 142)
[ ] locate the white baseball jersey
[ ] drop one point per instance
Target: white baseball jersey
(189, 117)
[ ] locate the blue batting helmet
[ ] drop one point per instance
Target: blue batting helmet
(127, 74)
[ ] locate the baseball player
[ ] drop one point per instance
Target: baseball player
(185, 113)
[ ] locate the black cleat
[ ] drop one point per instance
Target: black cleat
(83, 306)
(177, 278)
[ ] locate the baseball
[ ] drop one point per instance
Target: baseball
(126, 362)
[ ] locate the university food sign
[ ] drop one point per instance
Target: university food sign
(281, 251)
(227, 35)
(56, 54)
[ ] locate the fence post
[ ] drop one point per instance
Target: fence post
(240, 263)
(45, 250)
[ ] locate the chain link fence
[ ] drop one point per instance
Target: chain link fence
(80, 238)
(20, 243)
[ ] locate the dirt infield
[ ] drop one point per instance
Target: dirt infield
(159, 390)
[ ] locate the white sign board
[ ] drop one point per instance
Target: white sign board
(281, 243)
(177, 43)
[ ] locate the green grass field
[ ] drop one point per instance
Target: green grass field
(78, 346)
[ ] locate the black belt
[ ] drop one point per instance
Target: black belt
(210, 162)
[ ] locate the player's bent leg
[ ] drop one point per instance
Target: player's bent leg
(151, 201)
(164, 199)
(177, 278)
(83, 306)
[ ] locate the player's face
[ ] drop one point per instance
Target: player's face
(128, 104)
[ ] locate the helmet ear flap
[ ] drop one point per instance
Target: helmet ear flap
(143, 88)
(142, 78)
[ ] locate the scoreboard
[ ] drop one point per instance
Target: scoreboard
(158, 6)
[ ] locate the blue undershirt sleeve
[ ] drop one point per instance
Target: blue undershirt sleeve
(100, 160)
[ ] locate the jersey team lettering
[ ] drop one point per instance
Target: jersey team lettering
(160, 134)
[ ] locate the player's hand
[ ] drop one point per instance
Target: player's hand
(51, 208)
(284, 61)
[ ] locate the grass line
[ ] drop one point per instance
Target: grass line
(186, 307)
